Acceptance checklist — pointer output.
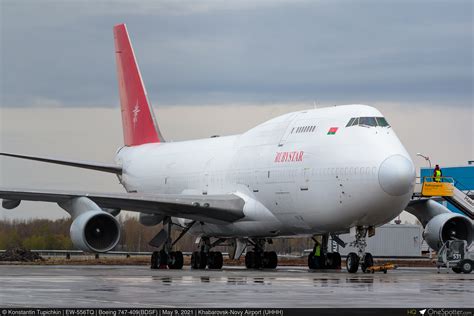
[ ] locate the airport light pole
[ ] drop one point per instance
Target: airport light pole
(425, 157)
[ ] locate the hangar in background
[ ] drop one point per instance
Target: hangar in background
(391, 240)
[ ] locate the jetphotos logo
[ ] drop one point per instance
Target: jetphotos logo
(289, 156)
(423, 311)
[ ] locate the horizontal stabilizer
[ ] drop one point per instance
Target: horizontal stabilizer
(111, 168)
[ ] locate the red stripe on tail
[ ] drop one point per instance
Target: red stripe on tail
(139, 125)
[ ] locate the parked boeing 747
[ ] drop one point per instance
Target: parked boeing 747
(315, 173)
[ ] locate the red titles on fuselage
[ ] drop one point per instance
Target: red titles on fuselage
(289, 156)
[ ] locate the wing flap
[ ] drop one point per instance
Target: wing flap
(225, 208)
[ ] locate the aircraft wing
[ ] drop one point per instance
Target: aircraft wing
(224, 208)
(97, 166)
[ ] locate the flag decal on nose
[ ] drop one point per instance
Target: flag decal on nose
(332, 131)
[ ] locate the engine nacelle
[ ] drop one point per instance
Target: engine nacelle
(95, 231)
(447, 226)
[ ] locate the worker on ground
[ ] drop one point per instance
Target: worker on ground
(317, 255)
(437, 174)
(317, 250)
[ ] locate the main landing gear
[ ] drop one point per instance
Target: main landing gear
(162, 260)
(206, 258)
(364, 258)
(166, 258)
(320, 258)
(257, 258)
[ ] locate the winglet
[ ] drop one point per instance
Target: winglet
(139, 124)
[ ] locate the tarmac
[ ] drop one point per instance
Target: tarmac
(138, 286)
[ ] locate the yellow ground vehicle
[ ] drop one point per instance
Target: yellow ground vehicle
(383, 267)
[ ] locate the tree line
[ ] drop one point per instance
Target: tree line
(43, 234)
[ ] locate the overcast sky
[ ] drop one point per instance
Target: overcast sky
(221, 67)
(194, 52)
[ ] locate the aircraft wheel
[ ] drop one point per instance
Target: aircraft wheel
(250, 260)
(367, 262)
(313, 261)
(466, 266)
(162, 260)
(457, 269)
(335, 260)
(270, 259)
(215, 260)
(176, 260)
(329, 262)
(198, 260)
(154, 261)
(352, 262)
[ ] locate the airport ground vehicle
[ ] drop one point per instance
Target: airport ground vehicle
(455, 254)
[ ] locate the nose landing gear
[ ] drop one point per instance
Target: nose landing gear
(364, 258)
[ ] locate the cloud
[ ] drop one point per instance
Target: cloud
(241, 51)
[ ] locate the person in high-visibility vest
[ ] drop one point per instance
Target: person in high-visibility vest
(317, 250)
(317, 260)
(437, 174)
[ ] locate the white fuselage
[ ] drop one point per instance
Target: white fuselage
(294, 183)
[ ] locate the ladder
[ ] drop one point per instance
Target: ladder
(462, 201)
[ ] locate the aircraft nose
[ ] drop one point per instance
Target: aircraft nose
(397, 175)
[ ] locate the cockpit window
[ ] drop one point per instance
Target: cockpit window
(350, 122)
(368, 122)
(381, 121)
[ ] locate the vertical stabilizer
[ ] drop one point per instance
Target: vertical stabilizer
(139, 124)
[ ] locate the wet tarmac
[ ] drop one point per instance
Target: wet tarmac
(138, 286)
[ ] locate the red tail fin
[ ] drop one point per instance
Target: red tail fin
(139, 125)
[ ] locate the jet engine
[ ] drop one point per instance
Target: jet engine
(95, 231)
(447, 226)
